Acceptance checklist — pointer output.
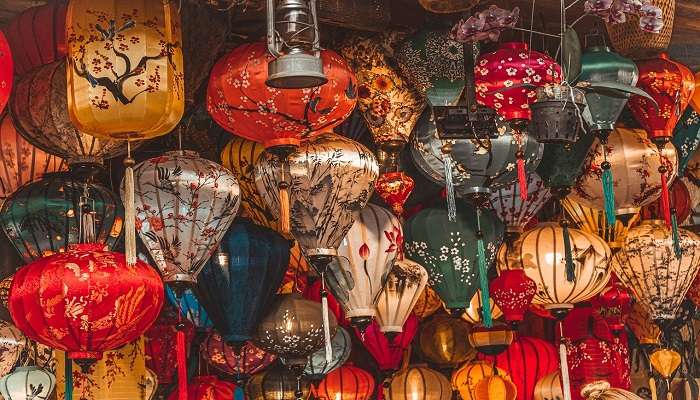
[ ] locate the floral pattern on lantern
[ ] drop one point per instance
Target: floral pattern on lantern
(510, 207)
(513, 291)
(394, 188)
(241, 363)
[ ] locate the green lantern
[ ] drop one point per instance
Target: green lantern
(450, 251)
(562, 163)
(434, 64)
(686, 137)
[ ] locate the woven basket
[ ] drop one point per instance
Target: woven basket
(372, 15)
(448, 6)
(630, 41)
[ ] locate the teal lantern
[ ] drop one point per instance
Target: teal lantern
(456, 254)
(686, 137)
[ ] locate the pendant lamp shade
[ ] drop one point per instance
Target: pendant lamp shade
(404, 285)
(418, 383)
(276, 384)
(428, 303)
(473, 312)
(160, 341)
(562, 164)
(466, 378)
(27, 383)
(346, 383)
(442, 341)
(642, 326)
(593, 221)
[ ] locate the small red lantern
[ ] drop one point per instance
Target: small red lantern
(512, 291)
(6, 71)
(207, 387)
(388, 353)
(160, 344)
(506, 78)
(613, 304)
(239, 100)
(241, 363)
(85, 301)
(590, 359)
(346, 383)
(394, 188)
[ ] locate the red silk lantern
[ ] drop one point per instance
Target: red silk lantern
(160, 347)
(388, 353)
(313, 292)
(613, 304)
(6, 71)
(506, 78)
(394, 188)
(512, 291)
(37, 36)
(527, 360)
(239, 100)
(240, 363)
(590, 359)
(207, 387)
(671, 84)
(346, 383)
(85, 301)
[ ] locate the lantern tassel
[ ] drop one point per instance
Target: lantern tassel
(522, 177)
(483, 273)
(68, 370)
(129, 209)
(652, 388)
(283, 187)
(608, 193)
(326, 322)
(564, 367)
(568, 256)
(676, 236)
(181, 362)
(449, 187)
(665, 202)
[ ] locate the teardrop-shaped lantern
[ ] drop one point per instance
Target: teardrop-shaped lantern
(317, 367)
(665, 361)
(394, 188)
(184, 205)
(562, 164)
(365, 257)
(27, 383)
(239, 282)
(330, 178)
(428, 303)
(240, 363)
(465, 379)
(404, 284)
(418, 383)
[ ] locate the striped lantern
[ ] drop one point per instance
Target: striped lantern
(418, 382)
(441, 341)
(404, 285)
(496, 388)
(515, 212)
(472, 313)
(549, 387)
(346, 383)
(467, 377)
(276, 384)
(592, 220)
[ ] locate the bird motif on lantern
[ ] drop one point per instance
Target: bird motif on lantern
(512, 291)
(6, 71)
(397, 299)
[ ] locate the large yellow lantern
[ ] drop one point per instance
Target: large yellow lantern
(442, 341)
(593, 221)
(466, 378)
(658, 274)
(541, 253)
(549, 387)
(418, 382)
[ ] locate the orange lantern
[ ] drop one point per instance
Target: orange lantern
(346, 383)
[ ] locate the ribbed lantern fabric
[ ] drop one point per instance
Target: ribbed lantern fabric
(184, 205)
(6, 71)
(549, 387)
(442, 341)
(418, 383)
(593, 221)
(428, 303)
(12, 343)
(48, 300)
(239, 363)
(510, 207)
(110, 97)
(239, 100)
(43, 217)
(276, 384)
(540, 252)
(601, 390)
(388, 353)
(365, 258)
(395, 188)
(346, 383)
(473, 312)
(465, 379)
(20, 161)
(160, 344)
(208, 387)
(649, 266)
(526, 360)
(404, 285)
(238, 283)
(496, 387)
(322, 202)
(317, 366)
(27, 383)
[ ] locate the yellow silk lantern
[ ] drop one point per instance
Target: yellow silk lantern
(120, 375)
(665, 362)
(442, 341)
(549, 387)
(466, 378)
(472, 314)
(125, 75)
(496, 388)
(593, 221)
(418, 382)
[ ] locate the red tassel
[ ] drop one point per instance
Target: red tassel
(522, 178)
(665, 202)
(181, 364)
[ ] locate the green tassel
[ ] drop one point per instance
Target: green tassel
(570, 272)
(608, 193)
(676, 237)
(69, 378)
(483, 275)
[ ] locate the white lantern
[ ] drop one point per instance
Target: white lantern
(403, 287)
(27, 383)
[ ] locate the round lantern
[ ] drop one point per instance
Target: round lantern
(593, 221)
(239, 100)
(657, 274)
(365, 257)
(394, 188)
(239, 281)
(125, 80)
(240, 363)
(679, 200)
(504, 78)
(37, 36)
(418, 383)
(207, 387)
(346, 383)
(491, 341)
(541, 253)
(474, 311)
(6, 71)
(428, 303)
(276, 384)
(467, 377)
(601, 390)
(388, 352)
(124, 300)
(513, 210)
(40, 111)
(642, 326)
(293, 329)
(442, 341)
(671, 85)
(20, 161)
(160, 344)
(526, 360)
(27, 383)
(399, 296)
(318, 366)
(12, 343)
(512, 291)
(635, 162)
(496, 387)
(321, 202)
(45, 217)
(182, 201)
(549, 387)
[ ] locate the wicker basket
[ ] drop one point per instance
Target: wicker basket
(630, 41)
(448, 6)
(372, 15)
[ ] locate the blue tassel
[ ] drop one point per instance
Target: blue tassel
(68, 370)
(676, 236)
(570, 272)
(608, 193)
(238, 393)
(483, 275)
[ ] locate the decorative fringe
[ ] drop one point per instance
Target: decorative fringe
(522, 178)
(652, 388)
(570, 271)
(181, 362)
(68, 370)
(483, 274)
(665, 202)
(129, 213)
(326, 323)
(608, 194)
(564, 368)
(676, 236)
(449, 186)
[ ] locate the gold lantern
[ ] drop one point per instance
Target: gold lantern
(496, 388)
(466, 378)
(593, 221)
(601, 390)
(418, 382)
(549, 387)
(442, 341)
(472, 314)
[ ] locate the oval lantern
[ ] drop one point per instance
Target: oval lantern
(330, 179)
(239, 282)
(474, 311)
(126, 300)
(428, 303)
(239, 100)
(512, 291)
(442, 341)
(493, 340)
(184, 205)
(418, 382)
(394, 188)
(239, 363)
(317, 366)
(541, 253)
(504, 78)
(465, 379)
(293, 330)
(27, 383)
(365, 257)
(6, 71)
(12, 343)
(549, 387)
(593, 221)
(526, 360)
(207, 387)
(589, 359)
(642, 326)
(515, 212)
(386, 351)
(160, 344)
(346, 383)
(404, 284)
(276, 384)
(44, 217)
(657, 274)
(20, 161)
